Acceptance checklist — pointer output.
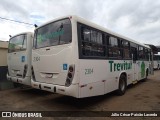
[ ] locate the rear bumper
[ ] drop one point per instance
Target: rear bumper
(26, 80)
(72, 90)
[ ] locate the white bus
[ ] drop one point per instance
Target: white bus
(74, 57)
(19, 58)
(156, 60)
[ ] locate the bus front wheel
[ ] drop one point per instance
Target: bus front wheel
(122, 85)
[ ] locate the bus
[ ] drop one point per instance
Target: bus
(74, 57)
(19, 58)
(156, 60)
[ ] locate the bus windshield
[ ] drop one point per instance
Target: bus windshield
(52, 34)
(17, 43)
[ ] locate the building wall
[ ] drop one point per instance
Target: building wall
(3, 57)
(3, 60)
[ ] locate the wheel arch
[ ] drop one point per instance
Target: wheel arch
(123, 73)
(122, 83)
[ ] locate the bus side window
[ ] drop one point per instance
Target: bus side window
(85, 37)
(135, 54)
(114, 50)
(146, 54)
(126, 49)
(92, 42)
(141, 54)
(85, 34)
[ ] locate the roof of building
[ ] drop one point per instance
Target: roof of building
(3, 44)
(158, 47)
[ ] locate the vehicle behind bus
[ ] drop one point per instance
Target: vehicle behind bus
(19, 58)
(74, 57)
(156, 60)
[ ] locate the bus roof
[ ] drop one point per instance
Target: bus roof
(86, 22)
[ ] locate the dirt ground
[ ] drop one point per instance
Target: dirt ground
(143, 96)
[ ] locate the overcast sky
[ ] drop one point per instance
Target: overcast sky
(136, 19)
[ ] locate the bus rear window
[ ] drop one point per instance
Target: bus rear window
(52, 34)
(17, 43)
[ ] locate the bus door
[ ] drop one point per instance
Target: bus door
(135, 63)
(151, 63)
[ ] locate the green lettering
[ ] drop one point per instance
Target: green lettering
(41, 38)
(129, 66)
(142, 69)
(122, 66)
(118, 66)
(126, 65)
(115, 66)
(110, 65)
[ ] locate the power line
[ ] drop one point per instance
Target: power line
(16, 21)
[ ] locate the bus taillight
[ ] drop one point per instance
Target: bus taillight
(70, 68)
(70, 75)
(33, 75)
(25, 71)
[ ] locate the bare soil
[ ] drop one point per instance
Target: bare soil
(143, 96)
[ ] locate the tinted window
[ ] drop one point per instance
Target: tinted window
(146, 54)
(134, 51)
(91, 42)
(56, 33)
(126, 49)
(141, 53)
(156, 57)
(17, 43)
(114, 49)
(86, 34)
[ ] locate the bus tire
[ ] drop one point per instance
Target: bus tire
(122, 85)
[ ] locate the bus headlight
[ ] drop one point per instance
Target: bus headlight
(70, 75)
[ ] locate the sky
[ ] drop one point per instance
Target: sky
(136, 19)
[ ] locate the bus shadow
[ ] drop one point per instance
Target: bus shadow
(66, 102)
(131, 86)
(32, 91)
(82, 103)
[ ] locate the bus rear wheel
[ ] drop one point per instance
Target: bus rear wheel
(122, 85)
